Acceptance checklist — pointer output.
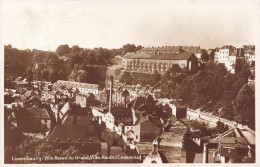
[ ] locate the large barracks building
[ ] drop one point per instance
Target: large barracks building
(161, 59)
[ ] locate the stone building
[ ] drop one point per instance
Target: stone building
(159, 59)
(82, 87)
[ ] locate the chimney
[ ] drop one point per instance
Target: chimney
(110, 96)
(205, 153)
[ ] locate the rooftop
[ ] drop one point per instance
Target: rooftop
(39, 112)
(77, 84)
(72, 134)
(166, 56)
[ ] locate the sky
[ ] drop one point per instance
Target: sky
(112, 23)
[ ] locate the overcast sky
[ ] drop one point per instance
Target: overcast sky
(47, 24)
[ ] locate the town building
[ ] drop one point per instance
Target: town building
(250, 54)
(122, 115)
(82, 87)
(85, 100)
(149, 60)
(233, 146)
(146, 130)
(33, 119)
(77, 130)
(179, 111)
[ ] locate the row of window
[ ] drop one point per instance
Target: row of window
(224, 52)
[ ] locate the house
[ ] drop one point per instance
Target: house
(235, 145)
(61, 110)
(146, 130)
(120, 97)
(99, 113)
(42, 116)
(82, 87)
(102, 97)
(130, 136)
(47, 95)
(102, 114)
(21, 87)
(109, 120)
(229, 55)
(77, 130)
(32, 119)
(179, 111)
(85, 100)
(122, 115)
(250, 54)
(234, 150)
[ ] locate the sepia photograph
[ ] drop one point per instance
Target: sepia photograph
(129, 82)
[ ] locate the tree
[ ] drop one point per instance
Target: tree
(239, 66)
(39, 56)
(126, 78)
(29, 74)
(75, 49)
(128, 48)
(139, 47)
(175, 69)
(45, 74)
(63, 49)
(211, 54)
(227, 110)
(220, 127)
(245, 106)
(53, 75)
(204, 55)
(156, 77)
(51, 56)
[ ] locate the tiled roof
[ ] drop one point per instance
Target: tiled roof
(234, 140)
(102, 109)
(75, 129)
(77, 84)
(167, 56)
(180, 106)
(121, 112)
(39, 112)
(191, 49)
(71, 134)
(161, 49)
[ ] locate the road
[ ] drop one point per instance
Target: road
(212, 121)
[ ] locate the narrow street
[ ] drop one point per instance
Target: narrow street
(212, 120)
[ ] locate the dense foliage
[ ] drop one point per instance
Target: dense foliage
(40, 151)
(204, 129)
(75, 63)
(213, 89)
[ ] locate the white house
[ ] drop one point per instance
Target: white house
(109, 120)
(82, 87)
(223, 55)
